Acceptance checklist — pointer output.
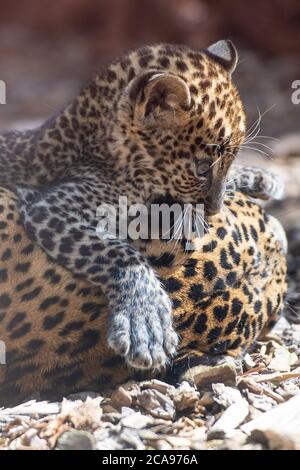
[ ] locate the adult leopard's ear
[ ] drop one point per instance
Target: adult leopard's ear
(225, 53)
(160, 99)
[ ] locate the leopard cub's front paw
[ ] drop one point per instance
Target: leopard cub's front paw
(267, 185)
(141, 328)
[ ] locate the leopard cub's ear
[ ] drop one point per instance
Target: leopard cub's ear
(160, 99)
(225, 53)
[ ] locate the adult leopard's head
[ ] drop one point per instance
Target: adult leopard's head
(175, 120)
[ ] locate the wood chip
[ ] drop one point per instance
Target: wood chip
(186, 397)
(276, 377)
(204, 376)
(232, 417)
(32, 407)
(281, 421)
(157, 404)
(260, 402)
(136, 421)
(248, 362)
(82, 414)
(277, 441)
(225, 396)
(282, 360)
(260, 389)
(120, 397)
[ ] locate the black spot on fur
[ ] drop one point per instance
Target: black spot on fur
(185, 324)
(48, 302)
(196, 292)
(214, 334)
(231, 278)
(173, 285)
(165, 260)
(88, 340)
(190, 268)
(210, 270)
(16, 319)
(3, 275)
(6, 255)
(31, 295)
(5, 301)
(236, 306)
(21, 331)
(221, 233)
(22, 267)
(220, 312)
(50, 322)
(257, 306)
(200, 325)
(35, 344)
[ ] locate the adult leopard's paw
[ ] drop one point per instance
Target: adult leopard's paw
(141, 329)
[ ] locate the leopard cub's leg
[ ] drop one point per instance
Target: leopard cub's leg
(140, 323)
(255, 182)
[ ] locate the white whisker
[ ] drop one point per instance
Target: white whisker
(258, 151)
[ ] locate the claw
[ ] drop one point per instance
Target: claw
(144, 337)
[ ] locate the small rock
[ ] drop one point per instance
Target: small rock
(155, 384)
(126, 411)
(186, 397)
(225, 396)
(83, 414)
(157, 404)
(235, 442)
(120, 397)
(111, 417)
(178, 443)
(75, 440)
(260, 402)
(229, 420)
(106, 408)
(206, 399)
(131, 440)
(282, 360)
(248, 362)
(136, 421)
(276, 440)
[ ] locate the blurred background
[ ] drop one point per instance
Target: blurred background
(48, 48)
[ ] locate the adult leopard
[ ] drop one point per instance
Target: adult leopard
(225, 295)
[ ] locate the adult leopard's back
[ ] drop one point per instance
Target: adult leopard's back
(54, 325)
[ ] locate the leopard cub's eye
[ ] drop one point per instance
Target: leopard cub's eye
(202, 167)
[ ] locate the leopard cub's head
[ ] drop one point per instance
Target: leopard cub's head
(177, 120)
